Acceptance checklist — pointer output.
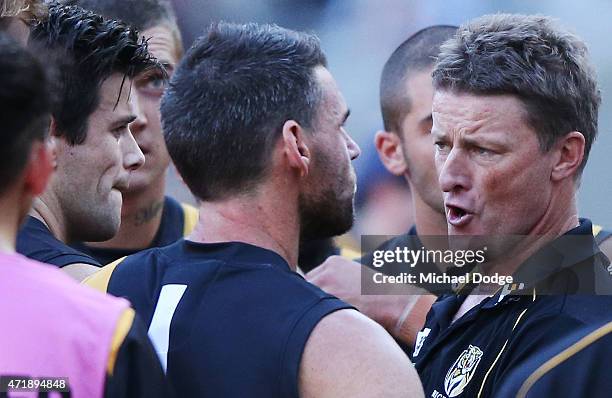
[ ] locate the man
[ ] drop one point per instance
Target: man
(54, 328)
(148, 217)
(94, 149)
(514, 117)
(405, 149)
(253, 121)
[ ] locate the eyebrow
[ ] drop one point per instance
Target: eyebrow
(124, 121)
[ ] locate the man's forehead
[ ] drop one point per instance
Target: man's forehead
(115, 92)
(332, 98)
(162, 44)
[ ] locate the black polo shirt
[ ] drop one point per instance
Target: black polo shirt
(469, 357)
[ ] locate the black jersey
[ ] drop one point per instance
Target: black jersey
(35, 241)
(227, 319)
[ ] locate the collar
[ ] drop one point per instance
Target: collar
(238, 252)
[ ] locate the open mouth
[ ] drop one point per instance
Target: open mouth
(457, 216)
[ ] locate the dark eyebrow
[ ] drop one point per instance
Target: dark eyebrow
(124, 121)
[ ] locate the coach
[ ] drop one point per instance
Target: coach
(514, 117)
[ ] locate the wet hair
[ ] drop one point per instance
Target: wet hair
(90, 49)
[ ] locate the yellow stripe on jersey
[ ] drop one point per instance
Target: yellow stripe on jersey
(563, 356)
(100, 279)
(190, 214)
(123, 327)
(596, 229)
(347, 246)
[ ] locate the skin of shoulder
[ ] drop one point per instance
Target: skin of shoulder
(349, 355)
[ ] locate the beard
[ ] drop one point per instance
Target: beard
(324, 215)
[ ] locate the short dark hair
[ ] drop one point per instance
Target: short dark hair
(415, 54)
(229, 98)
(140, 14)
(531, 57)
(90, 49)
(25, 107)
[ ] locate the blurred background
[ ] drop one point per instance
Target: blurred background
(359, 35)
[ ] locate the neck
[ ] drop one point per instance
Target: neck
(9, 222)
(141, 215)
(556, 221)
(428, 220)
(262, 219)
(46, 208)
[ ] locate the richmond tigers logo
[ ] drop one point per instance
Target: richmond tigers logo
(462, 371)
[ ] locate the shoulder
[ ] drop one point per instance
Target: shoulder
(127, 270)
(346, 351)
(582, 360)
(60, 293)
(35, 241)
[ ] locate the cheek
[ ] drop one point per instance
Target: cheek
(520, 188)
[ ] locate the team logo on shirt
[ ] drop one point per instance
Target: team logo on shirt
(462, 371)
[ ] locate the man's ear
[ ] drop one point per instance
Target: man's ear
(39, 168)
(570, 150)
(389, 148)
(295, 148)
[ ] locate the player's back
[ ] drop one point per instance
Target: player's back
(227, 319)
(53, 327)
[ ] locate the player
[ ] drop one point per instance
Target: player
(52, 327)
(405, 149)
(148, 217)
(94, 149)
(254, 121)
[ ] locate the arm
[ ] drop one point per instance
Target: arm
(133, 367)
(348, 355)
(401, 314)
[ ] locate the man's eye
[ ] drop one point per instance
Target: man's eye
(440, 146)
(154, 85)
(483, 151)
(118, 132)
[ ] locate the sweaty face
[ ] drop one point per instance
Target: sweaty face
(495, 178)
(417, 142)
(145, 98)
(326, 200)
(91, 175)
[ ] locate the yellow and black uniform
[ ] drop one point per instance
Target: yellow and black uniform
(577, 366)
(468, 357)
(133, 367)
(177, 221)
(226, 319)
